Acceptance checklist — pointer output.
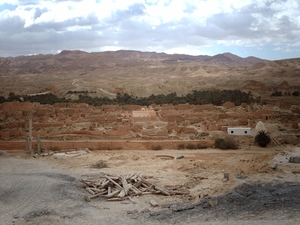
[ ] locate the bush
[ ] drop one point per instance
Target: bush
(191, 146)
(180, 146)
(100, 164)
(199, 146)
(157, 147)
(262, 138)
(227, 143)
(54, 149)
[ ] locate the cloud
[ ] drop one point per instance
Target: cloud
(28, 27)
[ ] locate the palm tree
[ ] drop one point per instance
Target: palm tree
(262, 138)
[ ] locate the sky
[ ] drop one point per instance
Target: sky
(268, 29)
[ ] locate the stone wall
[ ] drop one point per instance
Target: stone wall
(104, 145)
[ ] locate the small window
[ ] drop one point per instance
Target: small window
(231, 131)
(246, 132)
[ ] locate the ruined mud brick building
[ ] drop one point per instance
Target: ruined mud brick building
(69, 121)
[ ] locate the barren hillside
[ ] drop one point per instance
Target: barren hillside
(143, 73)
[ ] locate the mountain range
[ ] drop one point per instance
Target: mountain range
(144, 73)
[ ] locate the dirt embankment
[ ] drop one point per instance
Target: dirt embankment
(46, 190)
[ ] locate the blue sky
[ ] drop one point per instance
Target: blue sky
(268, 29)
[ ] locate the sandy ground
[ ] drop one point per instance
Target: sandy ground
(46, 190)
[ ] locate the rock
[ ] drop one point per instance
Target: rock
(274, 166)
(146, 210)
(180, 157)
(161, 212)
(241, 176)
(167, 205)
(213, 203)
(226, 176)
(153, 203)
(16, 215)
(132, 211)
(181, 207)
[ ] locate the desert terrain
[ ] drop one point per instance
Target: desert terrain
(172, 145)
(47, 191)
(104, 74)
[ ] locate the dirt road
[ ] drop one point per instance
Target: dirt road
(46, 190)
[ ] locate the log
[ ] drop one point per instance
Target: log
(94, 196)
(162, 190)
(122, 194)
(125, 185)
(112, 194)
(104, 183)
(151, 192)
(137, 184)
(90, 191)
(187, 192)
(150, 187)
(135, 190)
(117, 188)
(115, 199)
(115, 183)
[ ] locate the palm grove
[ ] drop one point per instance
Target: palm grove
(214, 97)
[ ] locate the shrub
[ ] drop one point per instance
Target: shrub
(227, 143)
(180, 146)
(157, 147)
(54, 149)
(100, 164)
(191, 146)
(262, 138)
(199, 146)
(220, 143)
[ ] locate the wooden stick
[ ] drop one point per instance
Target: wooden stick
(162, 190)
(90, 191)
(135, 190)
(112, 194)
(104, 183)
(125, 185)
(115, 183)
(116, 199)
(122, 194)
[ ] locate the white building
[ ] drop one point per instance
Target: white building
(239, 131)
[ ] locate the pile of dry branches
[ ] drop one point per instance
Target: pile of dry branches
(118, 188)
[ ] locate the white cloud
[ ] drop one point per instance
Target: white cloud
(182, 26)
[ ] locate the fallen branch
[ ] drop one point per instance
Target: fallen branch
(118, 188)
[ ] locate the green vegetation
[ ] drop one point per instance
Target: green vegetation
(194, 98)
(226, 143)
(262, 138)
(296, 93)
(279, 93)
(45, 99)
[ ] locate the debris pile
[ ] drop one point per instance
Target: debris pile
(121, 187)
